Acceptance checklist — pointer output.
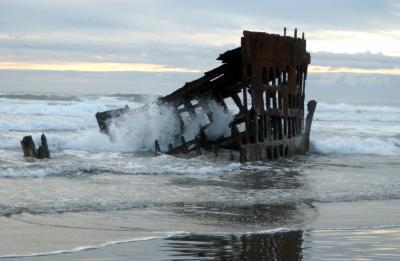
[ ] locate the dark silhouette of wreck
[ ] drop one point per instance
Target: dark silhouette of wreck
(265, 78)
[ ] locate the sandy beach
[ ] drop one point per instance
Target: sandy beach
(339, 231)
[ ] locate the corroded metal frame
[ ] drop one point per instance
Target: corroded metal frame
(265, 78)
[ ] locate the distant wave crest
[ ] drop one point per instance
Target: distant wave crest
(356, 113)
(345, 107)
(356, 145)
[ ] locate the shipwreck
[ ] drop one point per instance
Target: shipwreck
(265, 79)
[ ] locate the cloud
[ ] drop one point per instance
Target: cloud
(124, 51)
(308, 14)
(365, 60)
(125, 30)
(6, 37)
(188, 17)
(329, 69)
(93, 67)
(92, 83)
(347, 41)
(353, 87)
(359, 63)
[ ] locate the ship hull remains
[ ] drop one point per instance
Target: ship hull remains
(265, 79)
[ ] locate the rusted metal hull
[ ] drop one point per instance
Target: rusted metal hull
(265, 79)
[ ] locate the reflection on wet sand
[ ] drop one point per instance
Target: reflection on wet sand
(250, 217)
(352, 244)
(255, 197)
(277, 246)
(284, 174)
(261, 213)
(337, 244)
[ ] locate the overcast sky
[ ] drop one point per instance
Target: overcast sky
(159, 44)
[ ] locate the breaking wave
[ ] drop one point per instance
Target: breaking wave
(138, 130)
(74, 162)
(85, 106)
(356, 113)
(356, 145)
(356, 129)
(344, 107)
(69, 123)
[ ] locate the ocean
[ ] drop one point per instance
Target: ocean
(103, 198)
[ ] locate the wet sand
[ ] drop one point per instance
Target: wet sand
(340, 231)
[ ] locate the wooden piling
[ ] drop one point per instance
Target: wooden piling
(157, 149)
(29, 148)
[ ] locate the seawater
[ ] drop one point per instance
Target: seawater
(99, 192)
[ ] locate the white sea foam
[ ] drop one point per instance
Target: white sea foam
(218, 127)
(44, 123)
(356, 113)
(70, 124)
(83, 107)
(41, 171)
(356, 145)
(137, 130)
(92, 247)
(73, 162)
(344, 107)
(222, 119)
(356, 129)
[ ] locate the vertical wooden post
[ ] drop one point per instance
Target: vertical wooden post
(246, 115)
(198, 143)
(45, 146)
(157, 149)
(28, 146)
(185, 148)
(29, 149)
(311, 105)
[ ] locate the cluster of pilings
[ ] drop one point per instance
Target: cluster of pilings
(29, 148)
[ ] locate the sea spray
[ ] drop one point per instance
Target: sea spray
(133, 132)
(139, 128)
(222, 119)
(219, 126)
